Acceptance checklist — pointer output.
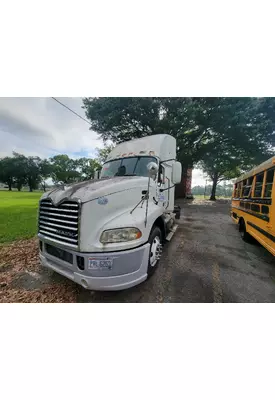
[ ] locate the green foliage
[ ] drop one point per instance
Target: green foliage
(103, 153)
(7, 171)
(224, 190)
(87, 167)
(19, 170)
(33, 165)
(120, 119)
(245, 123)
(64, 169)
(224, 134)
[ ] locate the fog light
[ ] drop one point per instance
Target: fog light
(84, 283)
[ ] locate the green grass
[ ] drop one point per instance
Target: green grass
(18, 215)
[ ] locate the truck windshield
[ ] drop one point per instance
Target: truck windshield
(127, 166)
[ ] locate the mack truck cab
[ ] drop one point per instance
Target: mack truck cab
(108, 233)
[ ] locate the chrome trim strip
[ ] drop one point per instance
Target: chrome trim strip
(58, 209)
(59, 226)
(58, 236)
(65, 204)
(58, 220)
(59, 215)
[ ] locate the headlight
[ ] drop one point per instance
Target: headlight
(120, 235)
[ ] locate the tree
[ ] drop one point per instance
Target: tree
(121, 119)
(33, 172)
(64, 169)
(102, 154)
(45, 172)
(7, 171)
(87, 168)
(200, 125)
(222, 162)
(20, 163)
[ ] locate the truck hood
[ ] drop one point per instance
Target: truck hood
(93, 189)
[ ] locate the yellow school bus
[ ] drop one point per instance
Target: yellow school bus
(253, 205)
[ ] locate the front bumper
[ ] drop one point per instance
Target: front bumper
(129, 268)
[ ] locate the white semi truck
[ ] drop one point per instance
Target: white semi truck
(107, 234)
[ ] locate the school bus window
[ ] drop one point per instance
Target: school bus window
(269, 183)
(259, 185)
(265, 209)
(247, 187)
(255, 207)
(236, 194)
(237, 190)
(241, 189)
(247, 206)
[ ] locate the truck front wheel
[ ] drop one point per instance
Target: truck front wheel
(155, 241)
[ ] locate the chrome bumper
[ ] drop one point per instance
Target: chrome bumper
(129, 268)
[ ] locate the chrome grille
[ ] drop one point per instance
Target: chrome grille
(59, 223)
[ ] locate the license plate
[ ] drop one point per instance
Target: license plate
(96, 263)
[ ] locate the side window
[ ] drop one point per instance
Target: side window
(248, 187)
(237, 191)
(269, 183)
(255, 207)
(241, 189)
(234, 190)
(259, 185)
(265, 209)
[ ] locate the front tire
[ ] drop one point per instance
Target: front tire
(155, 240)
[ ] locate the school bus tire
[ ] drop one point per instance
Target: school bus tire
(246, 237)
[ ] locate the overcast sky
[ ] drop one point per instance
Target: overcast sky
(40, 126)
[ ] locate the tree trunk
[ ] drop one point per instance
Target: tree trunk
(214, 187)
(10, 186)
(30, 184)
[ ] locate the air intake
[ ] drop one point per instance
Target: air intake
(59, 223)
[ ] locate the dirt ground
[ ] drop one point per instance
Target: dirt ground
(206, 261)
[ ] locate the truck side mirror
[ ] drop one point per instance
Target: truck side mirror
(176, 172)
(152, 170)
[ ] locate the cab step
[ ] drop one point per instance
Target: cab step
(171, 233)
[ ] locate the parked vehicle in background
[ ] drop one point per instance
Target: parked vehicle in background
(107, 234)
(253, 204)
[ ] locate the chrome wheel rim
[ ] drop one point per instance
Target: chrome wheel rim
(155, 251)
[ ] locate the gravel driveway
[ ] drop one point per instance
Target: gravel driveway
(206, 261)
